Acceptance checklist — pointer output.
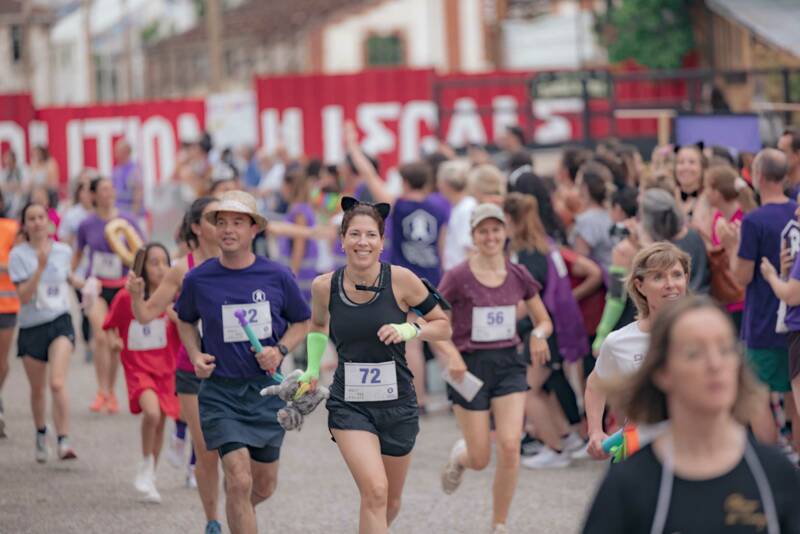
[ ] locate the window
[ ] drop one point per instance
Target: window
(385, 50)
(16, 43)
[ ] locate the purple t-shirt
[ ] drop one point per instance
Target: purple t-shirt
(793, 312)
(308, 266)
(103, 263)
(268, 293)
(485, 317)
(762, 231)
(440, 201)
(124, 178)
(416, 228)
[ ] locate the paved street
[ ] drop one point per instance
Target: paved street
(315, 493)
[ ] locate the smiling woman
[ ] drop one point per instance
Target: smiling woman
(372, 411)
(659, 275)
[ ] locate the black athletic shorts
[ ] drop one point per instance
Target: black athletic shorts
(502, 371)
(396, 425)
(35, 341)
(187, 383)
(8, 320)
(108, 294)
(265, 455)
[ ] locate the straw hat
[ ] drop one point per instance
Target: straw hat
(238, 202)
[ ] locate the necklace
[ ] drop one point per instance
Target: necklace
(362, 287)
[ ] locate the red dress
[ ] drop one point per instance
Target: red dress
(148, 355)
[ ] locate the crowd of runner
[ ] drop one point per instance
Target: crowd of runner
(663, 293)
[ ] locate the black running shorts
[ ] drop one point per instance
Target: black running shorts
(35, 341)
(502, 371)
(396, 425)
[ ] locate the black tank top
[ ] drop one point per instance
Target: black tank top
(354, 330)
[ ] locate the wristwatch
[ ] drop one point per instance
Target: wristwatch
(538, 334)
(417, 326)
(282, 349)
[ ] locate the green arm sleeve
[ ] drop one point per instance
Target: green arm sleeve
(315, 347)
(615, 305)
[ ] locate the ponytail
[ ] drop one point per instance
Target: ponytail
(193, 216)
(529, 231)
(731, 186)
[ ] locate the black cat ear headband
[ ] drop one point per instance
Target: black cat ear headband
(382, 208)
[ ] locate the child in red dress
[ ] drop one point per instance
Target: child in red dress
(148, 358)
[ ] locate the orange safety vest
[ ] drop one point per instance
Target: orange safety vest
(9, 302)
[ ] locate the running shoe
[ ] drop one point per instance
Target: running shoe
(530, 446)
(112, 406)
(499, 528)
(191, 480)
(151, 495)
(573, 442)
(581, 454)
(41, 447)
(65, 451)
(547, 459)
(99, 403)
(213, 527)
(453, 472)
(144, 475)
(176, 451)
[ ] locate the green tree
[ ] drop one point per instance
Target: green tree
(655, 33)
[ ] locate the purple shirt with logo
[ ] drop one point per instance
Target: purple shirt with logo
(91, 232)
(762, 232)
(793, 312)
(416, 228)
(210, 286)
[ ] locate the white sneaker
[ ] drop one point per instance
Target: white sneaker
(573, 442)
(42, 450)
(145, 474)
(547, 459)
(581, 454)
(65, 450)
(191, 480)
(499, 528)
(151, 495)
(176, 451)
(453, 472)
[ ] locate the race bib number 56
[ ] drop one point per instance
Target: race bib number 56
(493, 323)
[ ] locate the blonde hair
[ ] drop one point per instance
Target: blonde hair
(454, 173)
(656, 257)
(639, 398)
(487, 180)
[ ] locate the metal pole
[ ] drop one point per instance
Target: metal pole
(214, 25)
(128, 49)
(91, 90)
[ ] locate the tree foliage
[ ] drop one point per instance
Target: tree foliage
(655, 33)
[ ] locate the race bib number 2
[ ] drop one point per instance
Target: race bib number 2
(257, 315)
(493, 323)
(370, 382)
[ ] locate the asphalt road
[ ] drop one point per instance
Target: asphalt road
(315, 491)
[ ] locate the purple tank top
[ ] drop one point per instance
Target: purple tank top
(557, 296)
(184, 363)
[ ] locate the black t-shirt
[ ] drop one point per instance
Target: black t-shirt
(729, 504)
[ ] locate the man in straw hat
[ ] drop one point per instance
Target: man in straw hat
(236, 420)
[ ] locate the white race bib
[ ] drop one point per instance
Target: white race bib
(494, 323)
(370, 382)
(150, 336)
(106, 265)
(52, 296)
(258, 316)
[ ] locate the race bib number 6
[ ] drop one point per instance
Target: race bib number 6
(257, 314)
(150, 336)
(493, 323)
(370, 382)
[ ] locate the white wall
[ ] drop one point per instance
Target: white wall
(420, 21)
(562, 40)
(473, 46)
